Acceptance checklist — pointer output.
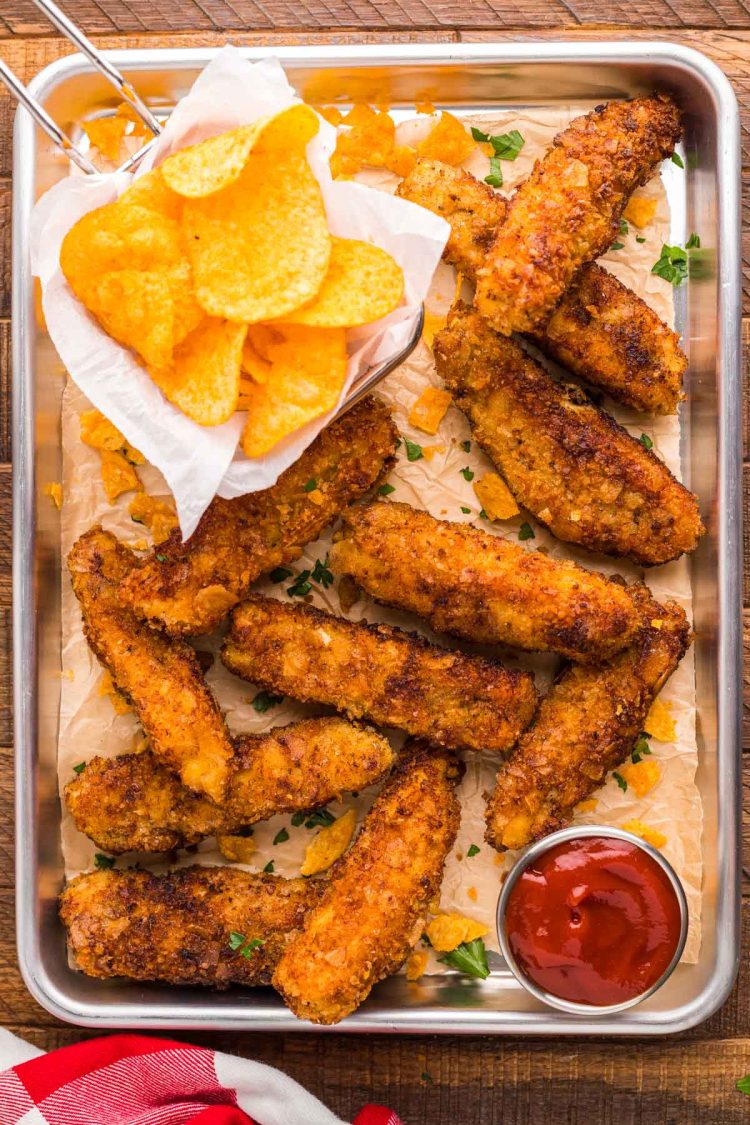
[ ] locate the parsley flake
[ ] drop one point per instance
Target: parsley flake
(466, 446)
(624, 228)
(620, 781)
(321, 574)
(265, 700)
(280, 573)
(103, 862)
(526, 531)
(672, 265)
(495, 177)
(281, 836)
(467, 473)
(311, 485)
(319, 818)
(505, 145)
(79, 768)
(693, 243)
(249, 949)
(677, 159)
(161, 558)
(617, 246)
(300, 586)
(640, 238)
(413, 450)
(235, 939)
(646, 441)
(386, 490)
(641, 747)
(466, 511)
(744, 1085)
(473, 850)
(240, 944)
(469, 958)
(269, 868)
(483, 515)
(298, 819)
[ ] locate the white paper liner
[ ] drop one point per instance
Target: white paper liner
(88, 725)
(199, 461)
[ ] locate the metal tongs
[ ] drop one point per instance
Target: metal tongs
(129, 94)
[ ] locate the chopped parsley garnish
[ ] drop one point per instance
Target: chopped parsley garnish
(269, 868)
(467, 473)
(79, 768)
(469, 958)
(320, 818)
(483, 515)
(620, 781)
(466, 511)
(473, 850)
(744, 1085)
(672, 265)
(240, 944)
(526, 531)
(693, 243)
(413, 450)
(311, 485)
(386, 490)
(466, 446)
(641, 747)
(265, 700)
(646, 441)
(281, 836)
(495, 177)
(280, 573)
(640, 238)
(300, 586)
(505, 146)
(624, 228)
(161, 558)
(104, 862)
(617, 246)
(321, 574)
(298, 819)
(677, 159)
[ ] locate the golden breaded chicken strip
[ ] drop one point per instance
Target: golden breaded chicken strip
(568, 211)
(179, 927)
(132, 803)
(481, 587)
(585, 726)
(374, 905)
(161, 677)
(601, 331)
(190, 587)
(380, 673)
(565, 460)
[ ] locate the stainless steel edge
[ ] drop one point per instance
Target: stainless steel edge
(201, 1011)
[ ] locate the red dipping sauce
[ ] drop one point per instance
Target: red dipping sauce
(594, 920)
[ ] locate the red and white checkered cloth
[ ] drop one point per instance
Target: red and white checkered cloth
(135, 1080)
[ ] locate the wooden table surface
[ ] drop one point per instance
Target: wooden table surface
(427, 1080)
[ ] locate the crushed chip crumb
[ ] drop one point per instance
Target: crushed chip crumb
(118, 475)
(330, 113)
(448, 141)
(417, 964)
(55, 493)
(472, 893)
(157, 515)
(424, 107)
(316, 497)
(587, 806)
(428, 411)
(651, 835)
(433, 323)
(641, 776)
(237, 849)
(331, 842)
(448, 931)
(659, 722)
(495, 497)
(106, 135)
(639, 211)
(98, 432)
(429, 451)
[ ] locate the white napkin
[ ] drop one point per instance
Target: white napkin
(199, 462)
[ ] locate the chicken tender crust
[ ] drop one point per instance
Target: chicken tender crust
(600, 330)
(373, 908)
(190, 587)
(482, 587)
(176, 927)
(565, 460)
(568, 211)
(161, 677)
(585, 726)
(132, 803)
(380, 673)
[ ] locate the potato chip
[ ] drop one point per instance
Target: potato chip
(151, 191)
(330, 843)
(639, 211)
(186, 312)
(447, 141)
(261, 247)
(106, 134)
(429, 409)
(118, 475)
(136, 309)
(204, 377)
(157, 515)
(363, 283)
(448, 931)
(495, 497)
(126, 110)
(214, 164)
(306, 379)
(98, 432)
(660, 723)
(255, 362)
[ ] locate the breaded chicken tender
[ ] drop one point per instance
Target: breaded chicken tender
(161, 677)
(481, 587)
(190, 587)
(374, 904)
(585, 726)
(568, 211)
(600, 330)
(380, 673)
(565, 460)
(182, 927)
(132, 803)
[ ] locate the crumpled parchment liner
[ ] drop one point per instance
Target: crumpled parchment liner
(89, 726)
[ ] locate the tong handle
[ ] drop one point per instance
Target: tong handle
(43, 119)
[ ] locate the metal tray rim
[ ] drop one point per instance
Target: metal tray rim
(200, 1013)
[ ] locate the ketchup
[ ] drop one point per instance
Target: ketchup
(593, 920)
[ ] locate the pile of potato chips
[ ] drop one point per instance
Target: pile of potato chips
(218, 269)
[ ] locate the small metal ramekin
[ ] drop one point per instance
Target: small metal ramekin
(539, 848)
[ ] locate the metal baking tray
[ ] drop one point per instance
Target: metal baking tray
(464, 77)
